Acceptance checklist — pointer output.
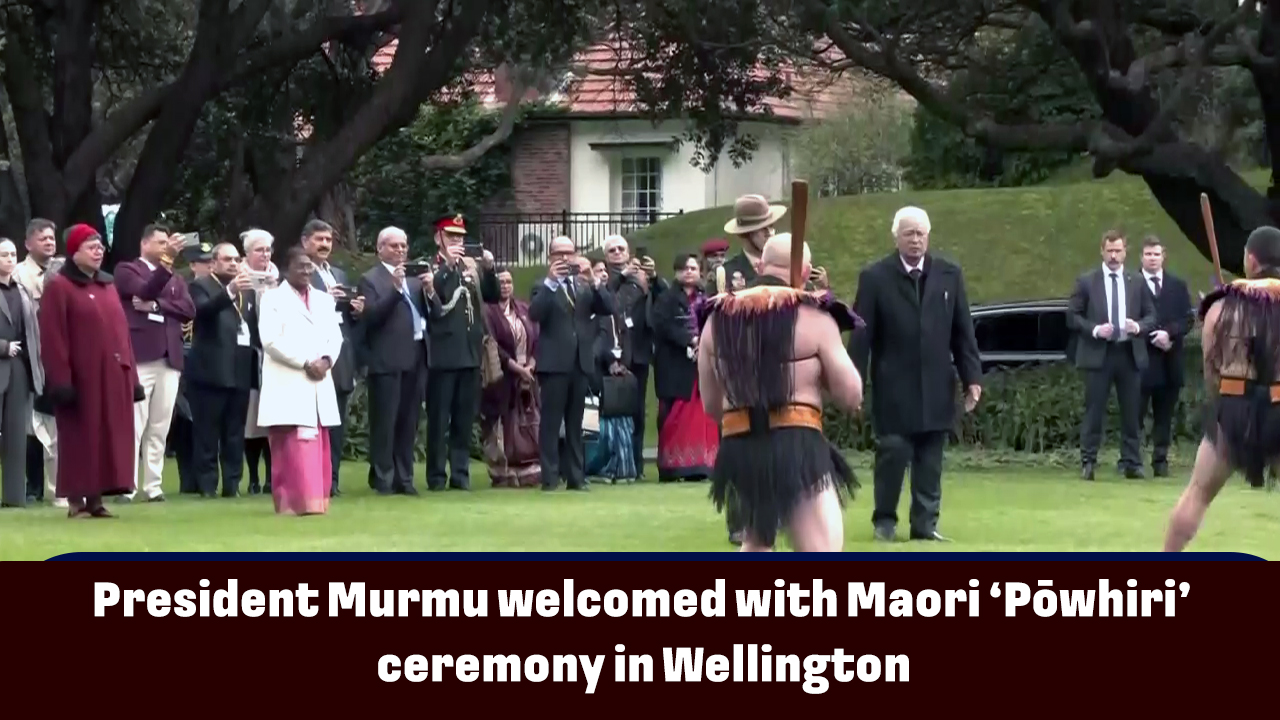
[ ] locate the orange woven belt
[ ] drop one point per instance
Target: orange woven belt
(1235, 387)
(738, 422)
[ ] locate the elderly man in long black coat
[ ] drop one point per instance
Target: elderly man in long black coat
(918, 334)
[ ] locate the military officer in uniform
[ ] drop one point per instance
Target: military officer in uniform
(456, 328)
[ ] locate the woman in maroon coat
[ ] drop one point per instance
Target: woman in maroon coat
(90, 378)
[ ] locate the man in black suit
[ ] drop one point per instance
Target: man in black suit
(1113, 313)
(454, 296)
(317, 241)
(1162, 381)
(635, 286)
(917, 328)
(397, 346)
(563, 305)
(223, 367)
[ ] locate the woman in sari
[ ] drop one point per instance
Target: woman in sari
(301, 339)
(509, 412)
(257, 255)
(687, 438)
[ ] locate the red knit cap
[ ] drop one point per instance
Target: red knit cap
(77, 235)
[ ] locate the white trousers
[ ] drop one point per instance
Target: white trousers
(45, 428)
(151, 419)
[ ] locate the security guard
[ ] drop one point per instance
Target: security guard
(200, 258)
(457, 331)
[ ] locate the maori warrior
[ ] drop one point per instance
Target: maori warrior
(764, 357)
(1241, 345)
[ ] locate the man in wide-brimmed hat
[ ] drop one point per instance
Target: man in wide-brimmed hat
(753, 221)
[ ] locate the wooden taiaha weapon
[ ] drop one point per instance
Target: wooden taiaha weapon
(1206, 213)
(799, 214)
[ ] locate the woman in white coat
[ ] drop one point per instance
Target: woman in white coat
(301, 339)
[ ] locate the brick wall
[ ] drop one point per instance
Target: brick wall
(539, 171)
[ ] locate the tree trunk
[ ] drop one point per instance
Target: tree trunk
(337, 208)
(13, 210)
(422, 65)
(157, 168)
(1175, 171)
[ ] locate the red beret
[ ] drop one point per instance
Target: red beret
(715, 245)
(77, 235)
(452, 224)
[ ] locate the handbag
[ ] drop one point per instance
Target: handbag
(522, 445)
(618, 396)
(490, 361)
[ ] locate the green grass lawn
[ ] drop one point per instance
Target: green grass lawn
(1019, 509)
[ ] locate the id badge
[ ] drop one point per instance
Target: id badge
(155, 318)
(242, 338)
(628, 323)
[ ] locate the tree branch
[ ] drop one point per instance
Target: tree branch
(128, 120)
(468, 157)
(1195, 50)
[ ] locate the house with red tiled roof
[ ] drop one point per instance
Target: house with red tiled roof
(596, 166)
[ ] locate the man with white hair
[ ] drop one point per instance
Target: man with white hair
(397, 346)
(635, 286)
(918, 334)
(766, 357)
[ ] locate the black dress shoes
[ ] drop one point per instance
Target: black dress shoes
(1134, 473)
(1086, 471)
(932, 536)
(1160, 469)
(884, 533)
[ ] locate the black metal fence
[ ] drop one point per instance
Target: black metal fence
(521, 239)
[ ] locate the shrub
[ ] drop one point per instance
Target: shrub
(1036, 409)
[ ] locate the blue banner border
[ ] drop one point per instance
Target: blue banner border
(651, 556)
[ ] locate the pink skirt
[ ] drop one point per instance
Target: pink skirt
(301, 469)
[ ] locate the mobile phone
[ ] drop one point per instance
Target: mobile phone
(416, 269)
(574, 269)
(473, 250)
(642, 251)
(189, 239)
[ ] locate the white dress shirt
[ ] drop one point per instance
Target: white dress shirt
(1155, 276)
(1119, 333)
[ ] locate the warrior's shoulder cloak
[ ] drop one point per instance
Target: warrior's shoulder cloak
(769, 299)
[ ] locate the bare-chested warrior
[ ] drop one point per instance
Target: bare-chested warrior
(763, 359)
(1241, 344)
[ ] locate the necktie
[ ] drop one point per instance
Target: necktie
(915, 278)
(1115, 305)
(1155, 280)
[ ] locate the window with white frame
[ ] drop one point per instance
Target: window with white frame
(641, 184)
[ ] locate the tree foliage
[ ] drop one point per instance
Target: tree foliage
(1141, 62)
(861, 150)
(393, 189)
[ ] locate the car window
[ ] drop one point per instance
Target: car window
(1009, 332)
(1054, 336)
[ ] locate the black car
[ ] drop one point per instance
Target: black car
(1014, 334)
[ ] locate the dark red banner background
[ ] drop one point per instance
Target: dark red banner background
(1218, 648)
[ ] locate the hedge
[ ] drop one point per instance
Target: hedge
(1036, 409)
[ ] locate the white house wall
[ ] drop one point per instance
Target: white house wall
(595, 182)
